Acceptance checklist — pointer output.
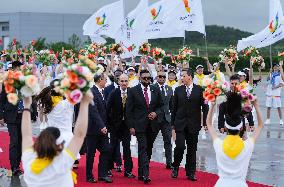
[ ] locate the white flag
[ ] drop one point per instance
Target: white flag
(126, 34)
(154, 22)
(189, 16)
(106, 21)
(271, 34)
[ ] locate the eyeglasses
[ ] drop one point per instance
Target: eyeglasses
(146, 78)
(162, 76)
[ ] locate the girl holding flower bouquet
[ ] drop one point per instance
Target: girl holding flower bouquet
(48, 161)
(232, 153)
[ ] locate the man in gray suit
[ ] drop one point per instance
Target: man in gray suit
(165, 119)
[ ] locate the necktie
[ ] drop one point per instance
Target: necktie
(146, 97)
(124, 97)
(163, 90)
(188, 91)
(102, 93)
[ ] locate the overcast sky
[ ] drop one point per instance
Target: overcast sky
(248, 15)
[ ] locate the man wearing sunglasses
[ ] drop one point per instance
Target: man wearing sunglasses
(165, 119)
(143, 107)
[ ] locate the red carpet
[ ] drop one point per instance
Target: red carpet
(159, 175)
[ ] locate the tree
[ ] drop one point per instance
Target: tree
(57, 47)
(75, 41)
(40, 44)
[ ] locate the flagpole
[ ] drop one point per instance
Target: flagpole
(206, 47)
(270, 55)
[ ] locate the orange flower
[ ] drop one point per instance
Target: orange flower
(211, 97)
(10, 74)
(73, 87)
(72, 77)
(217, 91)
(205, 95)
(9, 88)
(17, 75)
(10, 81)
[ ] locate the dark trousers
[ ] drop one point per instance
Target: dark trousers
(191, 144)
(249, 117)
(145, 146)
(100, 142)
(15, 147)
(166, 130)
(122, 135)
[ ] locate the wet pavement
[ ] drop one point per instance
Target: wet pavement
(266, 165)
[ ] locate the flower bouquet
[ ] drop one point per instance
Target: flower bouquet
(257, 62)
(77, 80)
(158, 53)
(116, 48)
(281, 56)
(247, 98)
(145, 49)
(90, 51)
(68, 56)
(250, 52)
(215, 90)
(231, 54)
(21, 83)
(184, 54)
(45, 56)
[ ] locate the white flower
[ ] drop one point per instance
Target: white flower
(26, 91)
(221, 99)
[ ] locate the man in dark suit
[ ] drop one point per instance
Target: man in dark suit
(186, 120)
(165, 119)
(118, 128)
(12, 116)
(144, 105)
(116, 154)
(97, 133)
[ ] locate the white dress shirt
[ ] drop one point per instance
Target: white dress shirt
(164, 88)
(148, 91)
(101, 91)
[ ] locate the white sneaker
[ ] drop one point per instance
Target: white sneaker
(281, 122)
(267, 122)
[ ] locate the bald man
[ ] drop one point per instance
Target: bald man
(119, 131)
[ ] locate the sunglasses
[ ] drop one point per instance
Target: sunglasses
(162, 76)
(146, 78)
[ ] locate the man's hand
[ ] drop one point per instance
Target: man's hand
(251, 129)
(104, 130)
(222, 130)
(152, 115)
(205, 128)
(132, 131)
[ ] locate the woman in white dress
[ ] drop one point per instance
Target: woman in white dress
(55, 111)
(47, 161)
(233, 153)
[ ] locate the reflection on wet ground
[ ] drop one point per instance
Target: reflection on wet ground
(266, 166)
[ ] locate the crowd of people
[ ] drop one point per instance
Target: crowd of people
(130, 101)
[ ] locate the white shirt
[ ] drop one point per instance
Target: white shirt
(164, 88)
(57, 174)
(275, 92)
(122, 92)
(148, 91)
(233, 172)
(189, 87)
(101, 91)
(196, 80)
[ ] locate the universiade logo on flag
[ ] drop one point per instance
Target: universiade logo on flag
(154, 12)
(272, 28)
(101, 20)
(186, 5)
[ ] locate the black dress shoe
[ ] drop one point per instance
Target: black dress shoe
(146, 180)
(118, 169)
(169, 166)
(91, 180)
(192, 177)
(174, 172)
(129, 175)
(105, 179)
(109, 173)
